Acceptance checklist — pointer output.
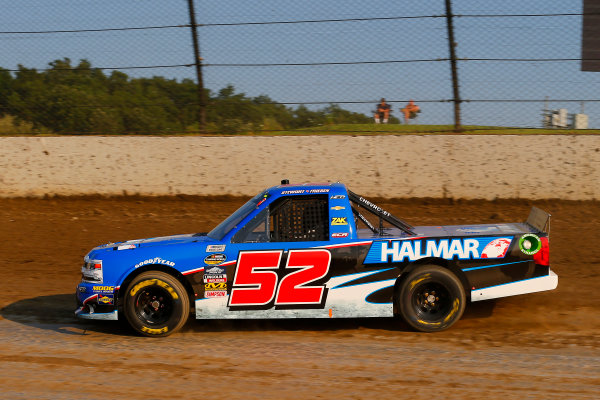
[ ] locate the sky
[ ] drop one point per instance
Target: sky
(429, 83)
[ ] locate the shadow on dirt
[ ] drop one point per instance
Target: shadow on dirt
(56, 313)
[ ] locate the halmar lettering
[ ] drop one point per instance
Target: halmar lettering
(463, 249)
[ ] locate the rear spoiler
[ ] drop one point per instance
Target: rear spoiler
(539, 220)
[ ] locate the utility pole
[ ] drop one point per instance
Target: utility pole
(198, 63)
(453, 67)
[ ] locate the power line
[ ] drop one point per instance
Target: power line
(526, 59)
(92, 30)
(323, 63)
(315, 21)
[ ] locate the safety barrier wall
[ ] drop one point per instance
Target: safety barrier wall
(469, 167)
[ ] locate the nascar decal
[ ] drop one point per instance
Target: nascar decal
(211, 248)
(215, 259)
(463, 249)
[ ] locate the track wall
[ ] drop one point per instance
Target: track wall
(486, 166)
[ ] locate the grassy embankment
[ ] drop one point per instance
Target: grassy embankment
(8, 127)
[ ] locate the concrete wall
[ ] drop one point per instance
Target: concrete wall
(504, 166)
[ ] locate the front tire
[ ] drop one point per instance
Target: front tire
(431, 299)
(156, 304)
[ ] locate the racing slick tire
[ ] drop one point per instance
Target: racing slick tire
(156, 304)
(431, 298)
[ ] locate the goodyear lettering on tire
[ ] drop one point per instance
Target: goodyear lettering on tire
(151, 282)
(153, 331)
(416, 281)
(453, 311)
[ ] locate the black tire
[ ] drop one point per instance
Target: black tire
(156, 304)
(431, 298)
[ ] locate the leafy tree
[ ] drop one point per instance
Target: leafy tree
(67, 98)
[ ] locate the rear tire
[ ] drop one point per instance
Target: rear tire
(156, 304)
(431, 299)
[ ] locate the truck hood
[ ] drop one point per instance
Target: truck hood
(157, 241)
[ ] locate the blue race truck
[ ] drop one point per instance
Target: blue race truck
(314, 251)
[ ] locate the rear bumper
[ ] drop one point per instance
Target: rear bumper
(538, 284)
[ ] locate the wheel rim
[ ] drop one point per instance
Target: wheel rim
(431, 301)
(154, 305)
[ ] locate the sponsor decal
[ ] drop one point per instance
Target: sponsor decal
(463, 249)
(106, 299)
(211, 279)
(496, 248)
(477, 229)
(211, 248)
(337, 197)
(215, 286)
(339, 221)
(376, 207)
(338, 208)
(215, 259)
(155, 260)
(302, 191)
(530, 244)
(215, 278)
(126, 247)
(215, 270)
(215, 293)
(339, 235)
(103, 289)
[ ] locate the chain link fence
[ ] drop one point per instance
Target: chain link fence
(279, 65)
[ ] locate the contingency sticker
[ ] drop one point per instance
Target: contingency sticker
(215, 259)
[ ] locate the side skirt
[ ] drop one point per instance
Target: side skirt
(538, 284)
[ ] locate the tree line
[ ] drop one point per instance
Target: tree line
(71, 99)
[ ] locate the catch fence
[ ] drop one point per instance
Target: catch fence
(279, 65)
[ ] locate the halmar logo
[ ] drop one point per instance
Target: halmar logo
(463, 249)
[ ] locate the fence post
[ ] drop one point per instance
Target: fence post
(198, 63)
(453, 67)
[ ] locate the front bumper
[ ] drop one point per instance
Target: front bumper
(96, 302)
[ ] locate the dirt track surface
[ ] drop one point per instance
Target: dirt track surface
(544, 345)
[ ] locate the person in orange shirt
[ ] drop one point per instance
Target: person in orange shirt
(410, 111)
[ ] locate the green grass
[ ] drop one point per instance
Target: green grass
(388, 129)
(9, 128)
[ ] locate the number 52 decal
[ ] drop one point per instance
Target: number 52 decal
(257, 283)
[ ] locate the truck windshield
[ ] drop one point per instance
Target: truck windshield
(234, 219)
